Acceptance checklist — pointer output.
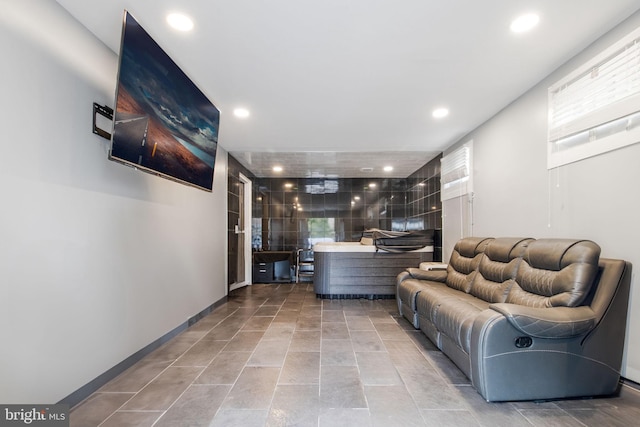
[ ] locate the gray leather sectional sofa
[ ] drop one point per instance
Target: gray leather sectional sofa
(525, 319)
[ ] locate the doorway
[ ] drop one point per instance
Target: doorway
(242, 235)
(457, 197)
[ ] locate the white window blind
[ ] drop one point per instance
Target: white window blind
(597, 107)
(455, 172)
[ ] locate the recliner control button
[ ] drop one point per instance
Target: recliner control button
(523, 342)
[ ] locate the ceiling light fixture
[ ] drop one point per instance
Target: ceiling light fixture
(180, 22)
(277, 168)
(440, 113)
(388, 168)
(241, 113)
(524, 23)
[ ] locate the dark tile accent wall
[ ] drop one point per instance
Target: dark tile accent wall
(296, 213)
(424, 206)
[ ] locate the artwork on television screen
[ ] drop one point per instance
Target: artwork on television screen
(163, 123)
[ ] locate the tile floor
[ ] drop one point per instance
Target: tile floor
(274, 355)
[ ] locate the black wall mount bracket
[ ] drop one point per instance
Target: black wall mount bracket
(105, 112)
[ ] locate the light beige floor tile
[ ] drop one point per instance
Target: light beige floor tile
(253, 389)
(160, 393)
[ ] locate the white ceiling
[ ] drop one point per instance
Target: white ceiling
(352, 83)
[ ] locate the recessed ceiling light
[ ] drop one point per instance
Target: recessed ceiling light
(277, 168)
(440, 113)
(241, 113)
(388, 168)
(372, 185)
(180, 22)
(524, 22)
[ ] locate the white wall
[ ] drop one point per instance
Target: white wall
(96, 260)
(598, 198)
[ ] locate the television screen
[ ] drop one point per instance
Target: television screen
(163, 123)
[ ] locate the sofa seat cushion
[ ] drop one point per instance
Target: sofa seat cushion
(555, 273)
(431, 296)
(454, 318)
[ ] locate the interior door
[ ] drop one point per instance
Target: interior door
(243, 235)
(457, 197)
(457, 222)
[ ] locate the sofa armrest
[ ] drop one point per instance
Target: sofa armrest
(553, 322)
(433, 275)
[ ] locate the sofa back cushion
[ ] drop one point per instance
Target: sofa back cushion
(555, 273)
(464, 261)
(497, 269)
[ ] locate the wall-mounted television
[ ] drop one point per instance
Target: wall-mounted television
(163, 124)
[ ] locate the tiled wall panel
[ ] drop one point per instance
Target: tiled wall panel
(296, 213)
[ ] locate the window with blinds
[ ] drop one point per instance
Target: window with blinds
(596, 108)
(455, 172)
